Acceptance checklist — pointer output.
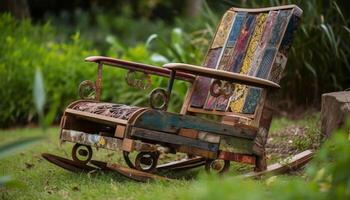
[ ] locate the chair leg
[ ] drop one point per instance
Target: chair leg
(260, 163)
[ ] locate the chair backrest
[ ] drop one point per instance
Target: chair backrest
(254, 42)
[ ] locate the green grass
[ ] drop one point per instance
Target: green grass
(42, 180)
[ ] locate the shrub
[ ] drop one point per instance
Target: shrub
(25, 47)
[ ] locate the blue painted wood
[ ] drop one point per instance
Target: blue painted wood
(173, 139)
(251, 100)
(236, 28)
(242, 43)
(173, 122)
(266, 63)
(279, 27)
(289, 35)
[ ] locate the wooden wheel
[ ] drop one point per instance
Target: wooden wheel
(217, 166)
(127, 160)
(81, 153)
(146, 161)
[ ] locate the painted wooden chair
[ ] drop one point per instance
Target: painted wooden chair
(236, 82)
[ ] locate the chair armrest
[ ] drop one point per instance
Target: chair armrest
(149, 69)
(221, 75)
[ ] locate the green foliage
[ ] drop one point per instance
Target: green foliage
(24, 48)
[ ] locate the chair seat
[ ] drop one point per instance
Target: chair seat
(110, 110)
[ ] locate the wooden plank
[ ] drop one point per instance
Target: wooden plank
(120, 131)
(214, 112)
(255, 63)
(190, 133)
(96, 117)
(91, 139)
(278, 67)
(140, 67)
(143, 146)
(208, 137)
(267, 9)
(266, 63)
(240, 91)
(251, 100)
(254, 42)
(235, 120)
(223, 30)
(197, 152)
(173, 122)
(182, 163)
(237, 157)
(273, 44)
(134, 174)
(222, 75)
(225, 61)
(202, 84)
(268, 58)
(292, 163)
(172, 139)
(128, 145)
(242, 43)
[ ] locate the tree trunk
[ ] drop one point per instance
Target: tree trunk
(193, 7)
(334, 111)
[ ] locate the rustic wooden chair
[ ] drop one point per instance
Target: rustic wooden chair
(236, 82)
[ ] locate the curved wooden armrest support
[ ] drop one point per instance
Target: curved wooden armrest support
(221, 75)
(149, 69)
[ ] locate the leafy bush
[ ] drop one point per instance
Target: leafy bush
(26, 47)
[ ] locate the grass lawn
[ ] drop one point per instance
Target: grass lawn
(43, 180)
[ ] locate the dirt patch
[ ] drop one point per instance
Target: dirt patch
(291, 140)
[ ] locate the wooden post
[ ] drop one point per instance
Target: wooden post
(98, 81)
(335, 109)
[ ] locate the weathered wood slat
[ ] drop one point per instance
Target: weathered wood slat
(190, 133)
(255, 63)
(198, 152)
(226, 59)
(172, 123)
(288, 164)
(237, 157)
(219, 113)
(96, 117)
(238, 55)
(172, 139)
(120, 131)
(202, 84)
(104, 141)
(297, 11)
(242, 43)
(91, 139)
(180, 164)
(237, 99)
(251, 100)
(134, 174)
(223, 30)
(278, 28)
